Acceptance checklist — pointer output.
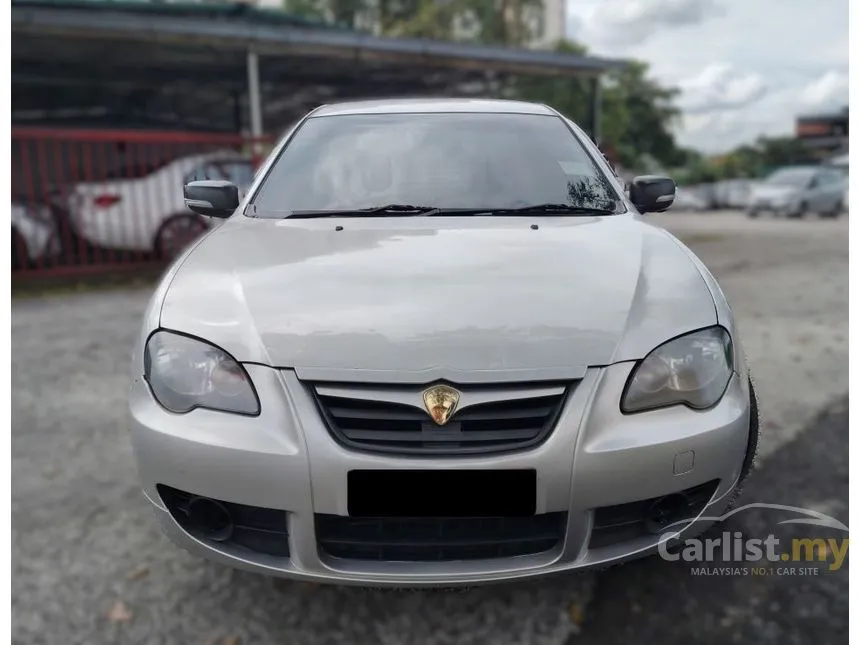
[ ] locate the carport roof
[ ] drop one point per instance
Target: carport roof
(187, 62)
(270, 31)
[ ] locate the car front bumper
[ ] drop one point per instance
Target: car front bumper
(286, 459)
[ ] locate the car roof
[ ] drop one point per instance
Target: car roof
(433, 106)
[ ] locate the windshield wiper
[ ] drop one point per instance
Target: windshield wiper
(389, 210)
(553, 209)
(408, 210)
(401, 208)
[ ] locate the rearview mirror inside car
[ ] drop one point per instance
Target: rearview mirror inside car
(652, 193)
(212, 197)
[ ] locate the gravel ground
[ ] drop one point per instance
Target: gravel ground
(654, 601)
(90, 565)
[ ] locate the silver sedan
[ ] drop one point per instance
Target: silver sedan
(794, 190)
(437, 343)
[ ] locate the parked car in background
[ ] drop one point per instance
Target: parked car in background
(839, 162)
(738, 193)
(34, 234)
(795, 190)
(148, 213)
(688, 199)
(708, 194)
(720, 193)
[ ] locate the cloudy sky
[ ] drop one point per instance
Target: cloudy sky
(746, 67)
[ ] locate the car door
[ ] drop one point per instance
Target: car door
(835, 189)
(814, 193)
(827, 191)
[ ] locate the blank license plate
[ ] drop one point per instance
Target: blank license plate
(441, 493)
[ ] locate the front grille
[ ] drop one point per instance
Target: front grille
(438, 539)
(259, 529)
(625, 522)
(496, 420)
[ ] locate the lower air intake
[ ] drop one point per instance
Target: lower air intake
(438, 539)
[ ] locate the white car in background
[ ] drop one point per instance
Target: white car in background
(795, 190)
(738, 192)
(148, 214)
(686, 199)
(840, 163)
(34, 235)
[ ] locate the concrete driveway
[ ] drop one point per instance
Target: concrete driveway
(90, 566)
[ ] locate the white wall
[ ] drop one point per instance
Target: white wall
(555, 17)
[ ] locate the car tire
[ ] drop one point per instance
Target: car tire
(754, 433)
(176, 233)
(752, 213)
(749, 462)
(796, 213)
(836, 212)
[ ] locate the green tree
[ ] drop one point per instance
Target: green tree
(638, 113)
(503, 22)
(343, 12)
(570, 96)
(419, 18)
(748, 161)
(639, 116)
(780, 151)
(500, 22)
(315, 9)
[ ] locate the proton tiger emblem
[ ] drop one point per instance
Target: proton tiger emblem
(441, 401)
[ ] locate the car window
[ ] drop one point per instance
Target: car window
(791, 177)
(450, 160)
(828, 177)
(841, 170)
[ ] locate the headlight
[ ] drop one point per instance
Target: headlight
(693, 370)
(185, 373)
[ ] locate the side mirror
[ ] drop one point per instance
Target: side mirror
(212, 197)
(813, 183)
(652, 193)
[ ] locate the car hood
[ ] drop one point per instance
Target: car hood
(421, 298)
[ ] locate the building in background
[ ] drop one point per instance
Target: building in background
(551, 27)
(824, 134)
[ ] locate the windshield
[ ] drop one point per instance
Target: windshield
(447, 161)
(791, 177)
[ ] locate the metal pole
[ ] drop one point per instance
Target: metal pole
(596, 104)
(255, 109)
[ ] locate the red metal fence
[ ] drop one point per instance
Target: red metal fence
(86, 201)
